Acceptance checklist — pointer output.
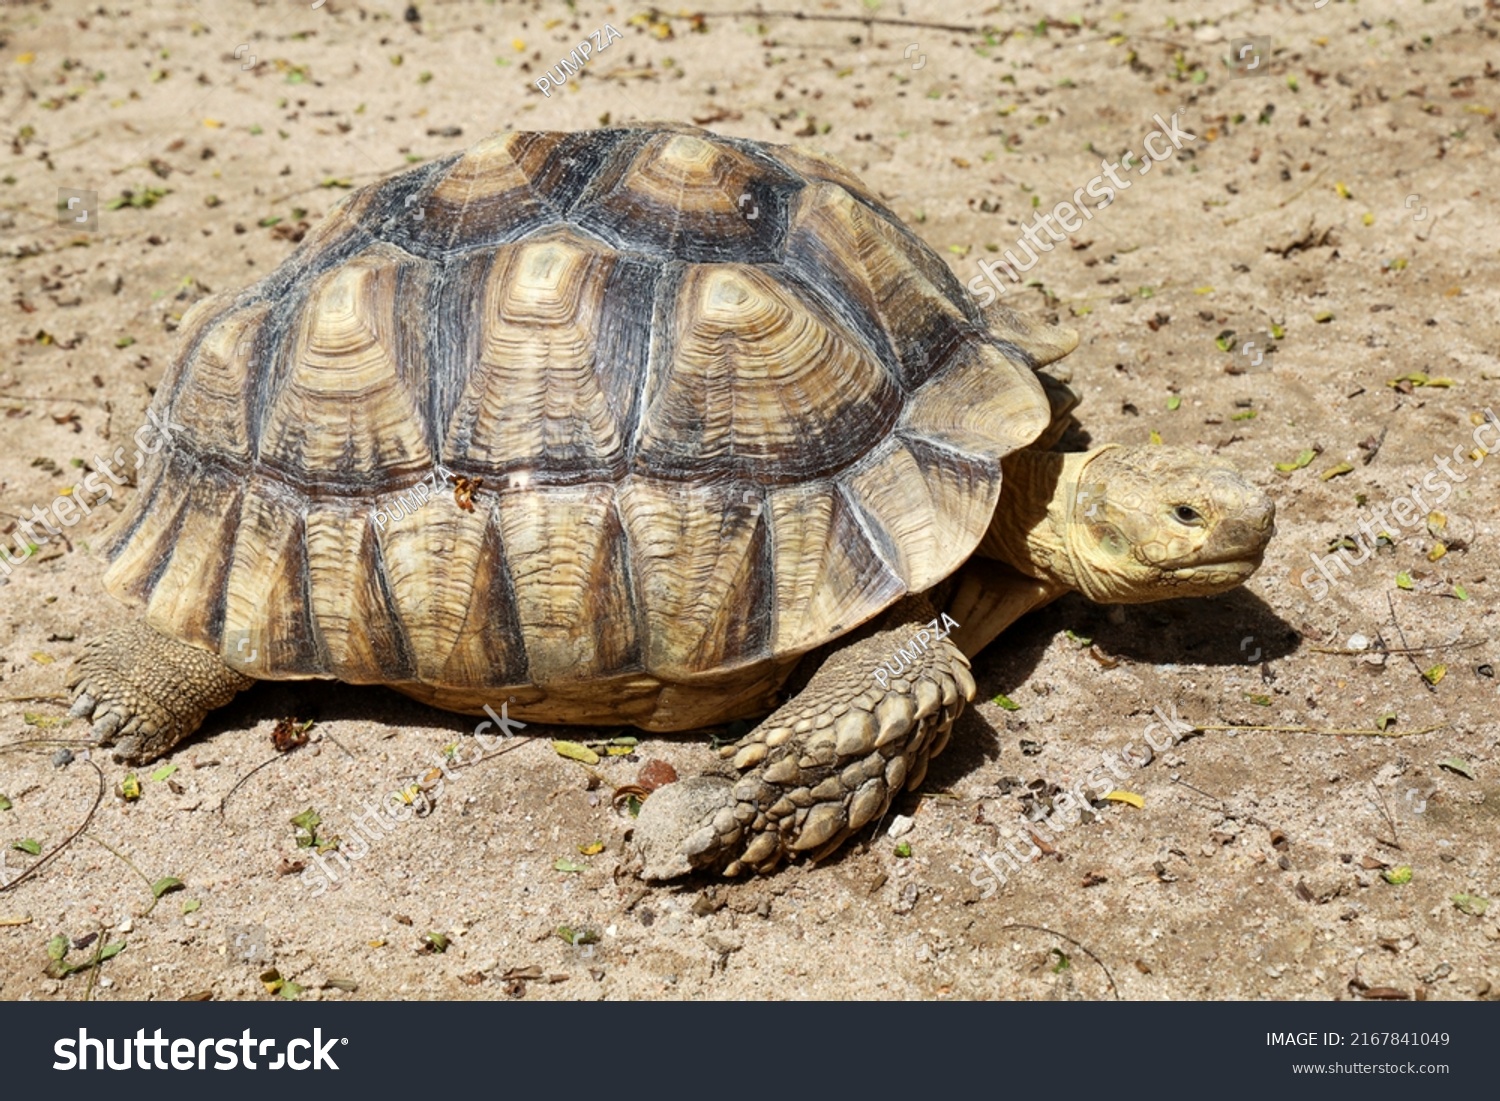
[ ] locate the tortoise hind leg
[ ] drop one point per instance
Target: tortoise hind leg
(145, 692)
(825, 764)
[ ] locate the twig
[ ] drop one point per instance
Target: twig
(53, 397)
(808, 17)
(1389, 821)
(340, 744)
(502, 752)
(155, 898)
(1403, 649)
(88, 991)
(1314, 730)
(1224, 808)
(40, 864)
(1375, 450)
(241, 781)
(1081, 947)
(1391, 603)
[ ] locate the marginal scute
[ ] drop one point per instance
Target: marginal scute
(198, 557)
(574, 611)
(702, 592)
(829, 575)
(357, 630)
(984, 406)
(267, 627)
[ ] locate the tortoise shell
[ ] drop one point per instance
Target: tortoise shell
(713, 404)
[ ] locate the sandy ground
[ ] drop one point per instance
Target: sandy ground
(1339, 190)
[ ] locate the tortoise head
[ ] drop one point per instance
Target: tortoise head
(1152, 523)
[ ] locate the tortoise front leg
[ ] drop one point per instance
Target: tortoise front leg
(145, 692)
(822, 766)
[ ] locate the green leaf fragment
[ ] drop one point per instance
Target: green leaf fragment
(563, 864)
(307, 827)
(164, 885)
(1435, 674)
(1303, 458)
(1471, 904)
(162, 773)
(582, 935)
(576, 752)
(27, 845)
(1403, 580)
(57, 947)
(57, 969)
(1262, 701)
(1336, 471)
(1174, 403)
(1245, 415)
(191, 905)
(903, 849)
(1458, 591)
(1007, 703)
(130, 787)
(5, 804)
(1063, 962)
(1082, 642)
(633, 805)
(1458, 765)
(1398, 875)
(1385, 720)
(436, 941)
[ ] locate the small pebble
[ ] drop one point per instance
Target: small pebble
(1358, 642)
(62, 758)
(901, 825)
(656, 774)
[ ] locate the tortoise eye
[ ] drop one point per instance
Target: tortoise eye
(1186, 514)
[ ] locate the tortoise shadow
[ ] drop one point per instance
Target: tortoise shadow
(1233, 629)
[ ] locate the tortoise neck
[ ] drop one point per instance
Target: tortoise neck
(1039, 503)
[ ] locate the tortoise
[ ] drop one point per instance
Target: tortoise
(728, 440)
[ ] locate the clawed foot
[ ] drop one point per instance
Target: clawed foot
(820, 768)
(145, 692)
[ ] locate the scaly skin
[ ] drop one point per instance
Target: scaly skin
(822, 766)
(145, 692)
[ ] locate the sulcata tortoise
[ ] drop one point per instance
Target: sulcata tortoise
(724, 434)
